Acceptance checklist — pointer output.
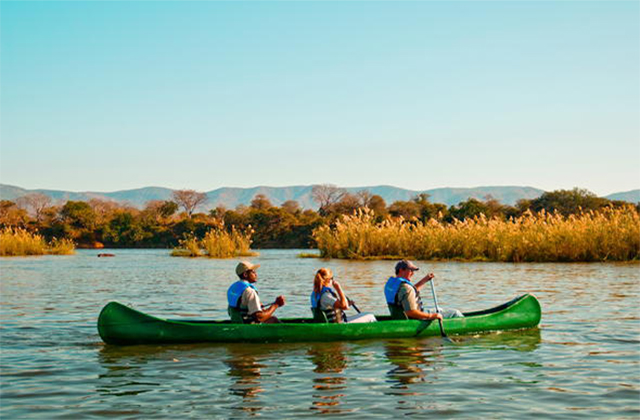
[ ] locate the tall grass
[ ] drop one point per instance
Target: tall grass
(612, 234)
(19, 242)
(217, 243)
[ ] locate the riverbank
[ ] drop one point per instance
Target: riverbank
(610, 234)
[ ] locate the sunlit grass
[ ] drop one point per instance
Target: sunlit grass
(188, 248)
(309, 255)
(612, 234)
(217, 243)
(19, 242)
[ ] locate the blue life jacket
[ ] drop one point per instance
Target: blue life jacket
(235, 292)
(391, 291)
(331, 314)
(315, 297)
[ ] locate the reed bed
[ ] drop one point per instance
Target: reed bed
(15, 242)
(217, 243)
(611, 234)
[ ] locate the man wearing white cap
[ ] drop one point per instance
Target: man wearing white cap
(243, 297)
(403, 297)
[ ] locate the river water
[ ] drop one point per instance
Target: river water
(583, 361)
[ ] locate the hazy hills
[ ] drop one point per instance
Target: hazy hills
(632, 196)
(231, 197)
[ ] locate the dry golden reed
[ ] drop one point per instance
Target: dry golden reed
(217, 243)
(16, 242)
(612, 234)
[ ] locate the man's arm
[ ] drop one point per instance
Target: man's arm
(409, 301)
(416, 314)
(424, 281)
(265, 314)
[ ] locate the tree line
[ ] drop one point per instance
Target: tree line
(162, 224)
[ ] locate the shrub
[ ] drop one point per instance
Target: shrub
(611, 234)
(217, 243)
(20, 242)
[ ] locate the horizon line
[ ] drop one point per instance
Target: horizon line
(304, 186)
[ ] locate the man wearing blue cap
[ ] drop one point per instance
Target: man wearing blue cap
(403, 297)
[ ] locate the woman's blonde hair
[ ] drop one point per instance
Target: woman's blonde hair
(322, 278)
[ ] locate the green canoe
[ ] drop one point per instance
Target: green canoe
(119, 324)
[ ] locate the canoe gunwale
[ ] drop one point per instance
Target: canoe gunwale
(380, 318)
(495, 308)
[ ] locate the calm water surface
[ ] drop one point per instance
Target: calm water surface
(583, 362)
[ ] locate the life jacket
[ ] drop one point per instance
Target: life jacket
(333, 315)
(234, 295)
(391, 291)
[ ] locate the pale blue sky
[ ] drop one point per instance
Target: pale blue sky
(106, 96)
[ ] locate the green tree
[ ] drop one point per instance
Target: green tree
(468, 209)
(427, 209)
(378, 205)
(270, 226)
(11, 215)
(78, 222)
(124, 230)
(218, 214)
(196, 226)
(261, 202)
(291, 206)
(167, 209)
(565, 201)
(236, 218)
(78, 215)
(406, 209)
(347, 204)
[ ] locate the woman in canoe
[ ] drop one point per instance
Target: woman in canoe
(328, 297)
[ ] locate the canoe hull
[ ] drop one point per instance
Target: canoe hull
(119, 324)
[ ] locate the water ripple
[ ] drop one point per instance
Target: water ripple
(582, 361)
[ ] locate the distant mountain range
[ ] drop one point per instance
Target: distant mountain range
(232, 197)
(632, 196)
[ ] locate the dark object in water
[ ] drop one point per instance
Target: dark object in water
(106, 255)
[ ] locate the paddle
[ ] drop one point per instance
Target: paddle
(435, 300)
(352, 303)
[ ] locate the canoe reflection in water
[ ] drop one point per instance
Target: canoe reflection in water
(329, 381)
(124, 371)
(244, 369)
(330, 377)
(409, 358)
